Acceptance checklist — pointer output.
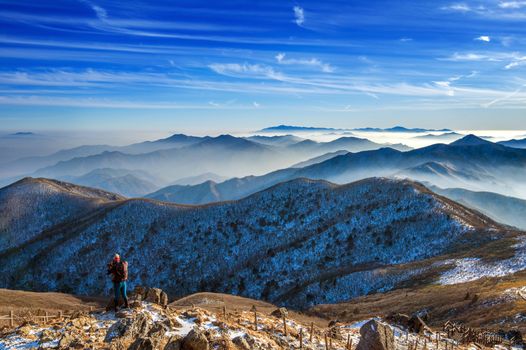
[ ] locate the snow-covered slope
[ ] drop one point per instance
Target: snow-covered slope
(30, 206)
(298, 243)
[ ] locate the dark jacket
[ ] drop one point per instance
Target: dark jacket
(119, 270)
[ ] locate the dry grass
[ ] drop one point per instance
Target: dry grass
(214, 302)
(22, 301)
(442, 303)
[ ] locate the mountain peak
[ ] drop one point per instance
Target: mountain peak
(471, 140)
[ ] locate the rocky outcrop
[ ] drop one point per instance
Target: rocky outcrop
(151, 326)
(376, 336)
(157, 296)
(241, 343)
(195, 340)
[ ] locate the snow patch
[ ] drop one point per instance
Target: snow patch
(470, 269)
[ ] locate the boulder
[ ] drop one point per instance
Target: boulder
(47, 336)
(174, 343)
(130, 328)
(195, 340)
(142, 344)
(376, 336)
(157, 296)
(241, 343)
(139, 293)
(280, 313)
(158, 331)
(69, 340)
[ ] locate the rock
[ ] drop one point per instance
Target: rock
(139, 293)
(47, 336)
(78, 314)
(398, 319)
(172, 322)
(111, 304)
(157, 296)
(376, 336)
(241, 343)
(134, 304)
(158, 331)
(174, 343)
(67, 341)
(195, 340)
(130, 328)
(142, 344)
(122, 314)
(417, 325)
(26, 331)
(250, 340)
(280, 313)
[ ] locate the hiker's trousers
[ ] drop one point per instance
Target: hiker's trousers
(119, 288)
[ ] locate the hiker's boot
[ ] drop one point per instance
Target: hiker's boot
(126, 303)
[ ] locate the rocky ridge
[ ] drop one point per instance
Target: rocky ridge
(149, 324)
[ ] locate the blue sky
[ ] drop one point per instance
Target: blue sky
(241, 65)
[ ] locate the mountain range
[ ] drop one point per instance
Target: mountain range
(30, 164)
(401, 129)
(178, 157)
(514, 143)
(471, 163)
(298, 243)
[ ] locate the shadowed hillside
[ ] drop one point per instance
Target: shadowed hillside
(298, 243)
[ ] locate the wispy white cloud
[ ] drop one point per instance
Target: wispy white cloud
(519, 61)
(104, 103)
(482, 56)
(246, 70)
(299, 15)
(447, 84)
(502, 10)
(256, 105)
(512, 4)
(314, 62)
(460, 7)
(484, 38)
(504, 98)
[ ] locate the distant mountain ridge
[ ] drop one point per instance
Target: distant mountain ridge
(225, 154)
(125, 182)
(401, 129)
(289, 128)
(514, 143)
(469, 158)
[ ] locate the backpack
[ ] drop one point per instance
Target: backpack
(121, 271)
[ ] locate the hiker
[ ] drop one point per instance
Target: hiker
(119, 270)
